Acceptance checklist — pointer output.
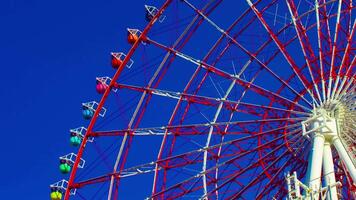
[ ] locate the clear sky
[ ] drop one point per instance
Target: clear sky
(51, 52)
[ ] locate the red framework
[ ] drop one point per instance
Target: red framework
(233, 168)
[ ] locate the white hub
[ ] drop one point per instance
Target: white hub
(324, 130)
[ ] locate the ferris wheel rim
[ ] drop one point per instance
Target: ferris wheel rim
(105, 95)
(309, 86)
(133, 47)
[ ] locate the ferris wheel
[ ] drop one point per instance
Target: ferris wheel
(250, 99)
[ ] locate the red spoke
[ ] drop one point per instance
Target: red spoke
(324, 39)
(253, 165)
(194, 129)
(181, 184)
(259, 90)
(338, 36)
(210, 101)
(308, 52)
(101, 103)
(283, 50)
(345, 59)
(246, 51)
(227, 123)
(191, 157)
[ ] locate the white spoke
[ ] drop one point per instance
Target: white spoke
(181, 128)
(321, 53)
(338, 93)
(303, 49)
(199, 175)
(230, 76)
(334, 49)
(150, 167)
(346, 89)
(282, 49)
(207, 144)
(251, 55)
(346, 54)
(204, 100)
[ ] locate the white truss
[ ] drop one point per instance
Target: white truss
(106, 81)
(62, 186)
(80, 132)
(153, 11)
(295, 186)
(135, 32)
(93, 105)
(70, 159)
(148, 168)
(121, 56)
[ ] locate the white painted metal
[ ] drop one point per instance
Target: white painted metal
(70, 159)
(121, 56)
(62, 186)
(345, 79)
(296, 183)
(326, 128)
(153, 11)
(80, 132)
(255, 10)
(209, 137)
(320, 49)
(349, 41)
(328, 171)
(315, 162)
(345, 157)
(321, 128)
(323, 133)
(93, 105)
(334, 48)
(305, 54)
(347, 88)
(233, 40)
(293, 185)
(123, 143)
(116, 165)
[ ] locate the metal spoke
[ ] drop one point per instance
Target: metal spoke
(305, 44)
(236, 106)
(258, 89)
(247, 52)
(191, 129)
(337, 27)
(253, 164)
(235, 122)
(238, 194)
(320, 43)
(346, 77)
(281, 47)
(346, 56)
(199, 175)
(150, 167)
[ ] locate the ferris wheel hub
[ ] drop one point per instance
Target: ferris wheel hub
(322, 124)
(327, 128)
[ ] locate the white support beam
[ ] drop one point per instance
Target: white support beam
(344, 156)
(315, 163)
(328, 171)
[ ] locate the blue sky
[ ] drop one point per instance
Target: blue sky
(51, 52)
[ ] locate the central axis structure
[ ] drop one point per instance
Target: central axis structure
(323, 129)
